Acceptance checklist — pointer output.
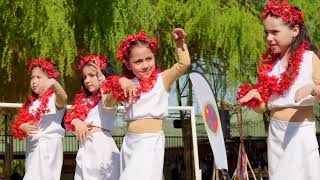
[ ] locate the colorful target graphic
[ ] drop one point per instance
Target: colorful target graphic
(211, 118)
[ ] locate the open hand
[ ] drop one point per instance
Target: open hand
(29, 128)
(96, 65)
(82, 130)
(250, 95)
(303, 92)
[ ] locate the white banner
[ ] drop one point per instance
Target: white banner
(211, 118)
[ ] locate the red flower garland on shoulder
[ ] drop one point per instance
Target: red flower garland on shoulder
(125, 45)
(91, 57)
(271, 85)
(45, 65)
(25, 116)
(82, 105)
(111, 84)
(287, 12)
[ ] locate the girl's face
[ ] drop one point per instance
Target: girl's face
(141, 61)
(38, 78)
(279, 35)
(90, 79)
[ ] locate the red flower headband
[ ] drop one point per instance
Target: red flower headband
(91, 57)
(125, 45)
(45, 65)
(287, 12)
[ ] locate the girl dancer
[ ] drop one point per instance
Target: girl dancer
(143, 145)
(288, 85)
(98, 156)
(40, 121)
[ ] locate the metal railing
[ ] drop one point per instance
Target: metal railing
(71, 144)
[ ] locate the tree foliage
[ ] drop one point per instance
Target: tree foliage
(227, 34)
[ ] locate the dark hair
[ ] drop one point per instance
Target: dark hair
(303, 35)
(108, 71)
(134, 44)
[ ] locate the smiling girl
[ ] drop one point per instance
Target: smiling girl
(289, 86)
(142, 151)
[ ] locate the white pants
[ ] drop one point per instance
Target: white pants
(293, 151)
(44, 158)
(98, 158)
(142, 156)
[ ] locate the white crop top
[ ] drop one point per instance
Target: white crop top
(153, 104)
(50, 123)
(99, 117)
(304, 78)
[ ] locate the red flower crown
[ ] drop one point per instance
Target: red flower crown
(125, 45)
(91, 57)
(45, 65)
(287, 12)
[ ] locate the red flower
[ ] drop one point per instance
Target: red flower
(25, 116)
(45, 65)
(124, 45)
(271, 85)
(80, 109)
(91, 57)
(284, 10)
(111, 84)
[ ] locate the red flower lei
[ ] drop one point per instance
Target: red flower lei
(25, 116)
(111, 84)
(82, 105)
(287, 12)
(125, 45)
(91, 57)
(271, 85)
(45, 65)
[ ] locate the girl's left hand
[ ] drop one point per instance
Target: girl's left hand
(303, 92)
(178, 34)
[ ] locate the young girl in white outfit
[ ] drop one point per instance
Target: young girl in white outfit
(40, 121)
(98, 156)
(142, 151)
(288, 85)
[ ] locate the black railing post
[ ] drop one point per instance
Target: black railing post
(8, 148)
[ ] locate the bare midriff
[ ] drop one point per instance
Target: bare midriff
(146, 125)
(293, 114)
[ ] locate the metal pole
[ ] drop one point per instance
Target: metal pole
(195, 144)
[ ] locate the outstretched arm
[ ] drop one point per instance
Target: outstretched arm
(254, 94)
(61, 96)
(172, 74)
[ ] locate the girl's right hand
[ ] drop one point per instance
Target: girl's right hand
(128, 88)
(82, 129)
(29, 128)
(251, 95)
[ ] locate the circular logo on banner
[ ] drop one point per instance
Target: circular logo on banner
(211, 118)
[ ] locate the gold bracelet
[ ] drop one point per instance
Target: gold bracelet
(113, 108)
